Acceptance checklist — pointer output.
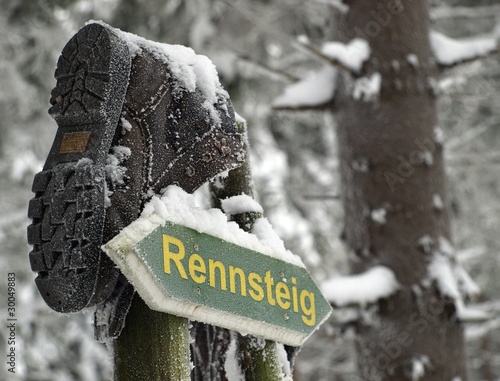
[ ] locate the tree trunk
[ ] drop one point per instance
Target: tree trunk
(393, 185)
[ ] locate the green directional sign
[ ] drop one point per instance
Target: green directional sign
(178, 270)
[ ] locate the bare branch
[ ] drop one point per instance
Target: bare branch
(451, 52)
(279, 72)
(318, 107)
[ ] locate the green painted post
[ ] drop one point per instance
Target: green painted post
(153, 346)
(258, 357)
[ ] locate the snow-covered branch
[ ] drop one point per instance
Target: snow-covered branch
(361, 289)
(455, 283)
(451, 52)
(314, 93)
(346, 57)
(446, 12)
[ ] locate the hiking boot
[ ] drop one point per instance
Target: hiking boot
(128, 126)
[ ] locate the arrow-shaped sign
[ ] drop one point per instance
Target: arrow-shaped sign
(178, 270)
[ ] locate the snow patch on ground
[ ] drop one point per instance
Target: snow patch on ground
(449, 51)
(351, 55)
(361, 289)
(313, 91)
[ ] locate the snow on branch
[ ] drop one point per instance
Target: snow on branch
(447, 12)
(351, 55)
(317, 92)
(450, 52)
(455, 283)
(310, 93)
(361, 289)
(347, 57)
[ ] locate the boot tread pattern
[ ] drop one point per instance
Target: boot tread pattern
(68, 209)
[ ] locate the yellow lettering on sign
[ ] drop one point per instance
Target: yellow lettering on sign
(212, 265)
(196, 265)
(308, 307)
(269, 288)
(295, 302)
(260, 288)
(283, 295)
(257, 292)
(168, 242)
(233, 271)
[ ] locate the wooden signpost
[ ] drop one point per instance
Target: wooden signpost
(180, 271)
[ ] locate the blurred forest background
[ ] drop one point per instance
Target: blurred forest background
(254, 46)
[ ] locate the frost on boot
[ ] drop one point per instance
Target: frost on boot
(134, 116)
(68, 208)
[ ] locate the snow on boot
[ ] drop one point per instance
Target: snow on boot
(125, 132)
(179, 124)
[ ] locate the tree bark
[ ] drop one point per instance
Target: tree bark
(153, 346)
(393, 181)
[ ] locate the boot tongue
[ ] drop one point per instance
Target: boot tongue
(212, 154)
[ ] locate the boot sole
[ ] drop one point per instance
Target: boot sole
(68, 210)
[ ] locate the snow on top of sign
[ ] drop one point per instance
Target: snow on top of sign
(241, 204)
(351, 55)
(368, 287)
(192, 71)
(177, 206)
(308, 92)
(449, 51)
